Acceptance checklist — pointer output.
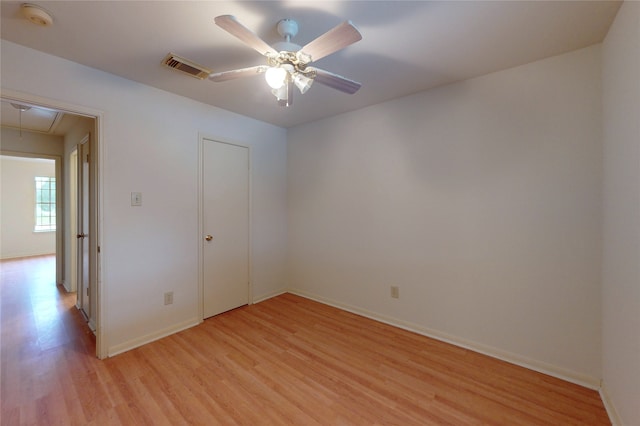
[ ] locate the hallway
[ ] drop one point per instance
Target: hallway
(43, 339)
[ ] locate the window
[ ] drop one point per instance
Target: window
(45, 204)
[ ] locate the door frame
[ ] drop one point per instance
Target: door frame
(98, 186)
(200, 237)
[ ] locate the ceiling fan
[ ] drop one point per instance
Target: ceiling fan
(287, 63)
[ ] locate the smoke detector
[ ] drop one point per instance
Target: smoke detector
(37, 15)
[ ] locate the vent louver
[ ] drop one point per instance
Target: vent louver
(186, 66)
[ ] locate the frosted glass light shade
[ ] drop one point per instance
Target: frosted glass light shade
(276, 77)
(280, 93)
(302, 82)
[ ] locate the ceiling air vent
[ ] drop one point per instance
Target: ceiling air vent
(186, 66)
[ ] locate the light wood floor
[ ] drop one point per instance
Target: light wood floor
(287, 360)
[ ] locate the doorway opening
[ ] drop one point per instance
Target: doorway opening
(59, 132)
(30, 205)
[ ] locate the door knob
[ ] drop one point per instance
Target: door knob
(209, 237)
(81, 235)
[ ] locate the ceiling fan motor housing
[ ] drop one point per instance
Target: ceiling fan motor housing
(287, 28)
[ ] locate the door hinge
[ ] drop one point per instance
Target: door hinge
(87, 291)
(98, 249)
(87, 158)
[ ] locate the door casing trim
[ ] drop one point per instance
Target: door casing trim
(98, 115)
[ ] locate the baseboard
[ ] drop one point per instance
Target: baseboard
(24, 255)
(541, 367)
(135, 343)
(92, 325)
(608, 405)
(269, 296)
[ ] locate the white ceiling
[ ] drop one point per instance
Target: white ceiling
(36, 119)
(407, 46)
(16, 115)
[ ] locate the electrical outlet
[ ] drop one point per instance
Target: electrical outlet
(168, 298)
(395, 292)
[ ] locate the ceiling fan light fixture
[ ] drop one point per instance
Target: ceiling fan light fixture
(302, 82)
(284, 95)
(276, 77)
(287, 62)
(20, 107)
(280, 93)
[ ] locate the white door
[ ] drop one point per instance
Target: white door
(73, 218)
(225, 218)
(83, 229)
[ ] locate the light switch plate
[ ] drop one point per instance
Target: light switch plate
(136, 199)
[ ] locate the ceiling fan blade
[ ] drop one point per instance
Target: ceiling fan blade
(335, 81)
(333, 40)
(230, 24)
(239, 73)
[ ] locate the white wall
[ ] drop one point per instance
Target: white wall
(150, 145)
(31, 142)
(17, 204)
(480, 200)
(621, 268)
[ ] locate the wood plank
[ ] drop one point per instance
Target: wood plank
(285, 361)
